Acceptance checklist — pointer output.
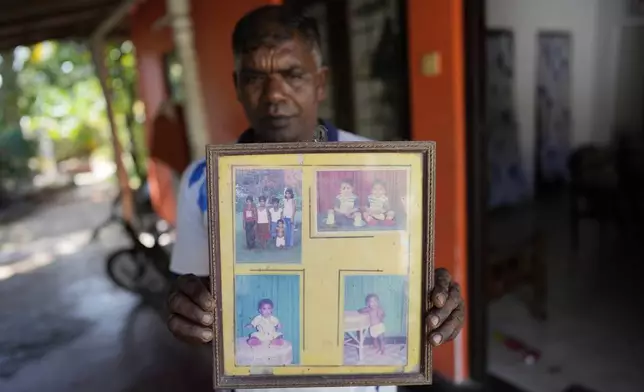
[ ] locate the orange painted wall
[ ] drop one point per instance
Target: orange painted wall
(438, 114)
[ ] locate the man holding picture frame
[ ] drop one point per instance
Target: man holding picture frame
(280, 81)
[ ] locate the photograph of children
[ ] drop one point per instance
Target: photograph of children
(267, 320)
(375, 320)
(268, 204)
(361, 200)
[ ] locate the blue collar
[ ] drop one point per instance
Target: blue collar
(333, 134)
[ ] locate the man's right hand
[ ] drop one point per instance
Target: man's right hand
(191, 310)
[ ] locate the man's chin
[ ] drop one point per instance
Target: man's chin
(278, 135)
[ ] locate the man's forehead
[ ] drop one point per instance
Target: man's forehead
(289, 53)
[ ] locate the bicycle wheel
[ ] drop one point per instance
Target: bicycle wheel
(125, 268)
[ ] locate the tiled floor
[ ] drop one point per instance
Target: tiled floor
(395, 354)
(593, 336)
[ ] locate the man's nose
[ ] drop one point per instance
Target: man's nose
(274, 89)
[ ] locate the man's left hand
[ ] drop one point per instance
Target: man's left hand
(447, 315)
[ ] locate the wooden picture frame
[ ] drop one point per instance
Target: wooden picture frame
(293, 307)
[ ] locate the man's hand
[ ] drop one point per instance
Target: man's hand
(447, 316)
(191, 310)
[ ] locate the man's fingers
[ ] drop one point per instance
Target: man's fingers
(442, 280)
(450, 328)
(180, 304)
(188, 331)
(192, 287)
(438, 315)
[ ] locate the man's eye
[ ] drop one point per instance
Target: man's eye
(295, 76)
(254, 78)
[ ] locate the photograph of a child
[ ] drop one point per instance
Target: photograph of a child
(267, 320)
(361, 200)
(267, 206)
(267, 327)
(375, 320)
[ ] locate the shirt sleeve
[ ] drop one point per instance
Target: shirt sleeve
(255, 321)
(190, 250)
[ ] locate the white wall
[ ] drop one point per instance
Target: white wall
(526, 18)
(615, 27)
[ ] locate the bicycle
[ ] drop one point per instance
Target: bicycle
(129, 268)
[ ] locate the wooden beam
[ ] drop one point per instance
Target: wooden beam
(39, 10)
(53, 22)
(127, 198)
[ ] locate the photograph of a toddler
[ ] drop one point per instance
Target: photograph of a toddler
(378, 210)
(346, 204)
(277, 213)
(267, 327)
(280, 238)
(376, 322)
(267, 319)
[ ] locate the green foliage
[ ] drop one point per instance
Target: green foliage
(52, 89)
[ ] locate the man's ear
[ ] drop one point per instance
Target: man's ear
(320, 88)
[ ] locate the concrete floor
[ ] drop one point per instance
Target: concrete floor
(65, 327)
(593, 335)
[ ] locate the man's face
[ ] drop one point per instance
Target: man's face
(280, 88)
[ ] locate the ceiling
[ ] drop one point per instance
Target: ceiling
(26, 22)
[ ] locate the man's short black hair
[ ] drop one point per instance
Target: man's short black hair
(272, 25)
